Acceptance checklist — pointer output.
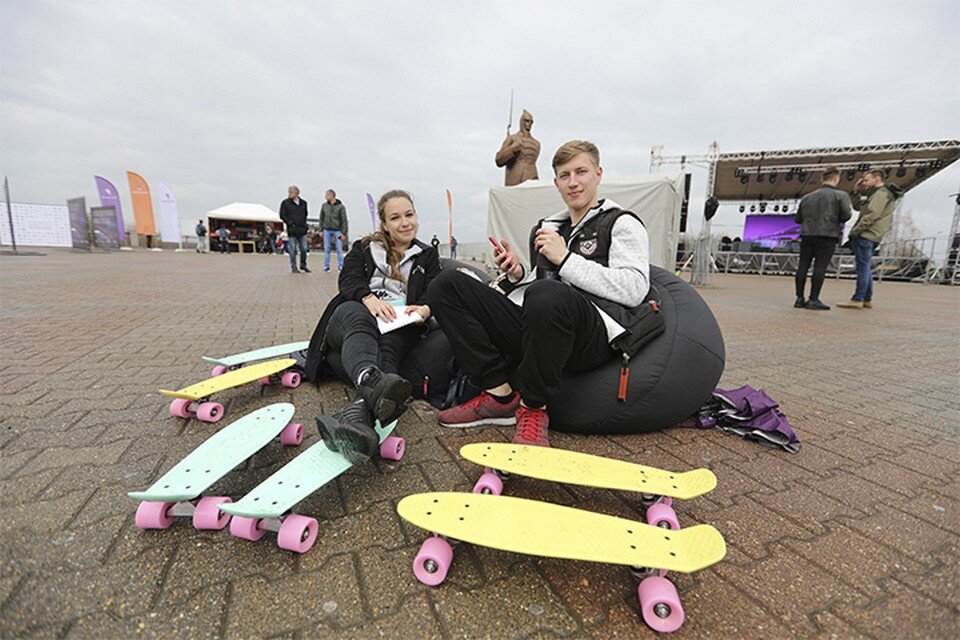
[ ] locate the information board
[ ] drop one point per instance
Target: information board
(36, 225)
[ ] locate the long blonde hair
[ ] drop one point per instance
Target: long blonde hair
(394, 255)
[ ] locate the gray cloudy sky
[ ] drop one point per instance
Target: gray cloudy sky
(233, 101)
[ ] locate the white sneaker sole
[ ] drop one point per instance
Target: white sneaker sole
(505, 422)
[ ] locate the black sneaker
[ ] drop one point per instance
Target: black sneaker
(305, 270)
(816, 305)
(350, 432)
(800, 303)
(385, 393)
(294, 270)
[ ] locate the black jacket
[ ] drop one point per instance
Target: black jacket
(823, 211)
(295, 217)
(354, 284)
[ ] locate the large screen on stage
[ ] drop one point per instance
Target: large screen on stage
(771, 231)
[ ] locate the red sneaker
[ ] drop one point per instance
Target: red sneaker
(532, 427)
(483, 409)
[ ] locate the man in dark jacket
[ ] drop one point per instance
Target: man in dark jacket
(875, 201)
(333, 221)
(821, 215)
(293, 212)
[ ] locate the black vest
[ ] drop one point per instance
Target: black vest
(643, 322)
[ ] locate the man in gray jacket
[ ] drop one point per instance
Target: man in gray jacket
(821, 215)
(333, 221)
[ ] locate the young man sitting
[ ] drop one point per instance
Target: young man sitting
(579, 305)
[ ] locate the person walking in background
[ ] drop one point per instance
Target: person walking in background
(875, 201)
(821, 215)
(453, 247)
(223, 235)
(293, 212)
(333, 222)
(201, 237)
(435, 243)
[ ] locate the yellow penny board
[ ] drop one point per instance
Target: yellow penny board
(230, 380)
(554, 531)
(571, 467)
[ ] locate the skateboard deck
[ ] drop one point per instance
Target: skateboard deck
(267, 353)
(303, 475)
(549, 530)
(265, 507)
(214, 459)
(571, 467)
(230, 380)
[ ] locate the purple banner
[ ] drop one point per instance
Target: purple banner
(109, 197)
(373, 211)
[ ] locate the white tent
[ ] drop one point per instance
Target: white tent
(245, 211)
(656, 198)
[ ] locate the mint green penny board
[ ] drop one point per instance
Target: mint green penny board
(306, 473)
(266, 353)
(218, 455)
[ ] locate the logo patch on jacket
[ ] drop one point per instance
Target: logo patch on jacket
(588, 246)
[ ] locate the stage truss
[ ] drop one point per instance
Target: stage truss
(787, 175)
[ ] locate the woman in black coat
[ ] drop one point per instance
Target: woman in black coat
(384, 276)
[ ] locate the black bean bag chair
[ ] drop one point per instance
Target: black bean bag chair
(670, 378)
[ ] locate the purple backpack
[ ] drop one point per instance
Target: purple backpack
(749, 413)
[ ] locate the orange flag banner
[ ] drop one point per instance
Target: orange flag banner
(142, 206)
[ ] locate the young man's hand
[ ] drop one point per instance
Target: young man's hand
(550, 245)
(422, 310)
(506, 260)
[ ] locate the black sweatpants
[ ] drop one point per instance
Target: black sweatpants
(557, 329)
(819, 250)
(353, 332)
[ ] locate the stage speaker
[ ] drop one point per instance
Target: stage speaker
(685, 205)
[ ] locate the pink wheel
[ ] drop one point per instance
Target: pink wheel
(392, 448)
(433, 561)
(210, 412)
(489, 483)
(660, 604)
(292, 434)
(290, 379)
(246, 528)
(297, 533)
(207, 514)
(265, 381)
(663, 516)
(153, 515)
(180, 408)
(219, 370)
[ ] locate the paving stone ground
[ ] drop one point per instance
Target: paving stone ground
(857, 536)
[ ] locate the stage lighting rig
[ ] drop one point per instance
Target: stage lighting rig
(773, 177)
(742, 208)
(850, 174)
(744, 179)
(763, 207)
(753, 208)
(901, 171)
(802, 176)
(921, 172)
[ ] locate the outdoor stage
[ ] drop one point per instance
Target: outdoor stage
(858, 535)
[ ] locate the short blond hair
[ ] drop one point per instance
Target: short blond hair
(569, 149)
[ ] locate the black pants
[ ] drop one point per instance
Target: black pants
(557, 329)
(353, 332)
(819, 250)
